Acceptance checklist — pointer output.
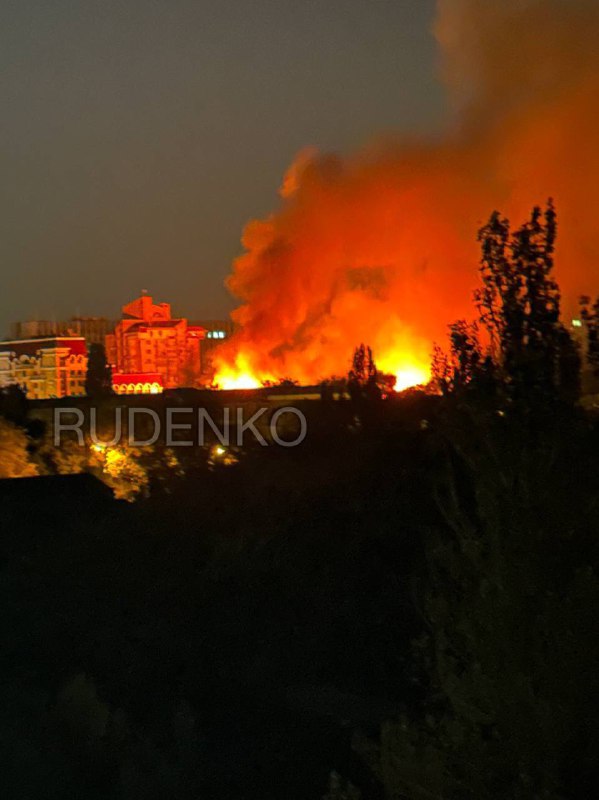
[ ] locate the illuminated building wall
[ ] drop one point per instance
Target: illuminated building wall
(45, 367)
(150, 348)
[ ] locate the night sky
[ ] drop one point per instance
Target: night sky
(139, 137)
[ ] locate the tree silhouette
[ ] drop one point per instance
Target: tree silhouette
(519, 302)
(529, 349)
(464, 363)
(362, 380)
(98, 381)
(13, 404)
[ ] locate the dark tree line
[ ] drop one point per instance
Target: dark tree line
(528, 352)
(507, 658)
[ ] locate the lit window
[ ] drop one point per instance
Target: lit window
(576, 323)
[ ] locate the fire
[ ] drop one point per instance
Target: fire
(408, 372)
(238, 375)
(405, 378)
(241, 381)
(407, 369)
(380, 246)
(411, 376)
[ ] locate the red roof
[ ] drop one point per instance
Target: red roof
(146, 326)
(136, 377)
(31, 347)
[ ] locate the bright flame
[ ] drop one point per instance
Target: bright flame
(239, 376)
(411, 376)
(241, 381)
(408, 370)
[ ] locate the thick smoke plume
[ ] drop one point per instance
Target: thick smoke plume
(381, 247)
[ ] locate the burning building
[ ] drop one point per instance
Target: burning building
(150, 350)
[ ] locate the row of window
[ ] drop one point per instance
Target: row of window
(137, 388)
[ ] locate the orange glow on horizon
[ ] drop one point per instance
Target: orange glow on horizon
(407, 370)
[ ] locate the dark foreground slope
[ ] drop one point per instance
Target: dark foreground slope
(233, 634)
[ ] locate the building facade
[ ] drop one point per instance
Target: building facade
(46, 367)
(137, 383)
(92, 329)
(151, 349)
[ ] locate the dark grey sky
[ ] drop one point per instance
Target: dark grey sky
(139, 136)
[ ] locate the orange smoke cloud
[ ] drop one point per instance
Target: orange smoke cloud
(380, 247)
